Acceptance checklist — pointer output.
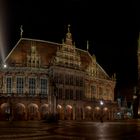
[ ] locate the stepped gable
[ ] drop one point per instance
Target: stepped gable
(18, 55)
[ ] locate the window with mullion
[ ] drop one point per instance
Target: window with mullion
(32, 86)
(43, 87)
(9, 85)
(20, 85)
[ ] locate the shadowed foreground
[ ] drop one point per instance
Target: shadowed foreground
(31, 130)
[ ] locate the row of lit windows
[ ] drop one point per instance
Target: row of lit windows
(68, 79)
(20, 85)
(101, 90)
(104, 93)
(69, 94)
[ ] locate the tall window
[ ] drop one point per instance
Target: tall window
(67, 79)
(20, 85)
(32, 86)
(66, 94)
(59, 96)
(71, 94)
(71, 79)
(9, 85)
(93, 92)
(100, 92)
(43, 86)
(77, 95)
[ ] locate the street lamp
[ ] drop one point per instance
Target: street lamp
(101, 104)
(10, 110)
(135, 106)
(4, 66)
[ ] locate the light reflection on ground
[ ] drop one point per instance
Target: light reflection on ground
(70, 130)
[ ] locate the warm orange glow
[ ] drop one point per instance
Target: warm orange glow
(59, 106)
(97, 108)
(88, 107)
(69, 107)
(105, 108)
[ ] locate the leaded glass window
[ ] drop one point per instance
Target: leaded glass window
(20, 85)
(43, 86)
(32, 86)
(9, 85)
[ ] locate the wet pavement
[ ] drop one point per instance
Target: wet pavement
(70, 130)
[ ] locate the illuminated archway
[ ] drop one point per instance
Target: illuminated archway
(33, 113)
(106, 113)
(19, 113)
(88, 113)
(97, 112)
(44, 110)
(60, 111)
(5, 111)
(69, 112)
(78, 113)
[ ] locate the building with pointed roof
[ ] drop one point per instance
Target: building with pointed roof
(41, 77)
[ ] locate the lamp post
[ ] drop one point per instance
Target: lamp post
(54, 99)
(101, 104)
(136, 97)
(10, 111)
(135, 106)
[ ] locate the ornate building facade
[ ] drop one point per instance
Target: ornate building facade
(41, 77)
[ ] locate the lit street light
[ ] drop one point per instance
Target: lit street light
(101, 104)
(4, 66)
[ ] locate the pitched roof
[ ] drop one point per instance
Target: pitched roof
(18, 55)
(47, 50)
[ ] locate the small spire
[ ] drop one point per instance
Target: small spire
(68, 28)
(63, 41)
(69, 33)
(68, 36)
(87, 45)
(21, 31)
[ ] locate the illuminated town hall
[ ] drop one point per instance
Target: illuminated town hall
(40, 77)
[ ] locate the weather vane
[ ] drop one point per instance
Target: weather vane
(68, 28)
(21, 31)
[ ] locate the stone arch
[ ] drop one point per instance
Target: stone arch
(4, 105)
(44, 110)
(88, 113)
(105, 113)
(78, 113)
(33, 112)
(20, 111)
(60, 111)
(97, 112)
(5, 111)
(69, 112)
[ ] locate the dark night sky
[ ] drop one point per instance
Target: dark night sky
(111, 28)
